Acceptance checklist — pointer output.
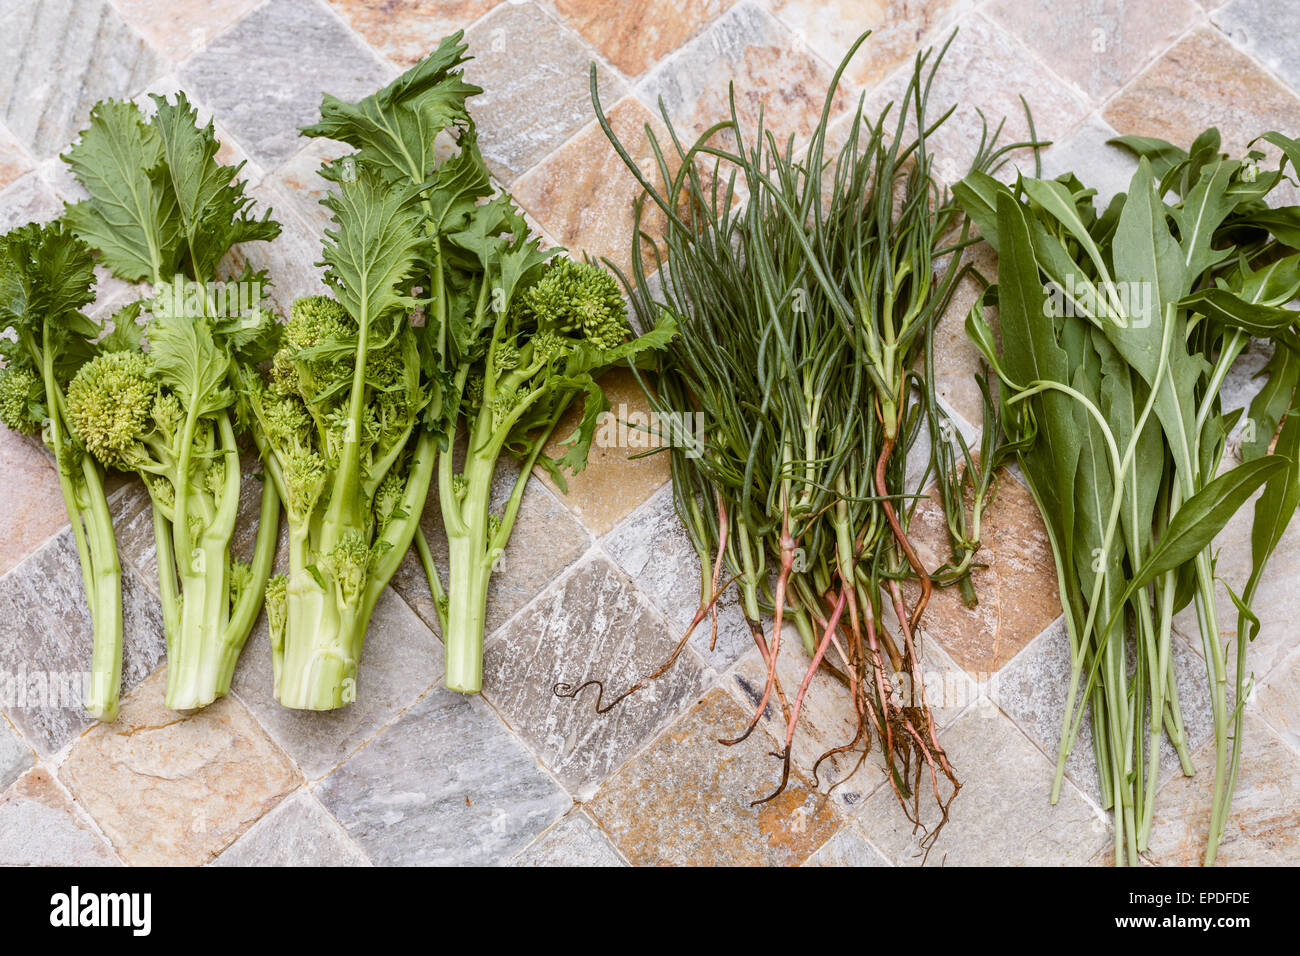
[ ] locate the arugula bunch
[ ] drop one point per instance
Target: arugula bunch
(1119, 327)
(161, 209)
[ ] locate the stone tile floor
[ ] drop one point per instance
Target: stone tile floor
(598, 582)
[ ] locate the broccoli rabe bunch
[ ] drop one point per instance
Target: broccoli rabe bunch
(510, 337)
(134, 412)
(562, 325)
(334, 418)
(46, 278)
(160, 208)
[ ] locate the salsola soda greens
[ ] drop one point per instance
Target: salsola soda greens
(806, 286)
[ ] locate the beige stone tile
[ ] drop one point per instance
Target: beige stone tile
(1017, 590)
(686, 801)
(1279, 700)
(634, 35)
(582, 194)
(574, 841)
(847, 848)
(170, 788)
(28, 198)
(1264, 825)
(1001, 816)
(40, 826)
(973, 77)
(613, 483)
(534, 74)
(899, 28)
(299, 179)
(1277, 600)
(1097, 46)
(956, 360)
(180, 27)
(35, 509)
(1265, 29)
(771, 72)
(406, 30)
(13, 161)
(1204, 81)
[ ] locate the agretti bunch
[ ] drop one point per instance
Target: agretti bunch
(806, 287)
(1118, 328)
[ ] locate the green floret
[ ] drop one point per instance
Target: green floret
(579, 297)
(110, 406)
(19, 390)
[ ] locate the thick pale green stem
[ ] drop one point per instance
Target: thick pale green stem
(471, 568)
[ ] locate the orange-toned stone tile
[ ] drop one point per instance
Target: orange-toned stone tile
(13, 161)
(1264, 824)
(35, 509)
(405, 30)
(1017, 590)
(613, 483)
(40, 826)
(898, 29)
(178, 28)
(772, 73)
(634, 35)
(686, 801)
(1097, 46)
(1204, 81)
(582, 194)
(170, 788)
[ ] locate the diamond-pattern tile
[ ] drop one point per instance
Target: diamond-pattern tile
(296, 49)
(447, 784)
(64, 55)
(592, 625)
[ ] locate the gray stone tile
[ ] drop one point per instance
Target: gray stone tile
(40, 826)
(534, 73)
(46, 641)
(1001, 816)
(654, 550)
(546, 539)
(28, 199)
(57, 59)
(299, 832)
(574, 841)
(400, 660)
(14, 755)
(591, 625)
(446, 784)
(1032, 689)
(1265, 28)
(847, 848)
(266, 74)
(1104, 168)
